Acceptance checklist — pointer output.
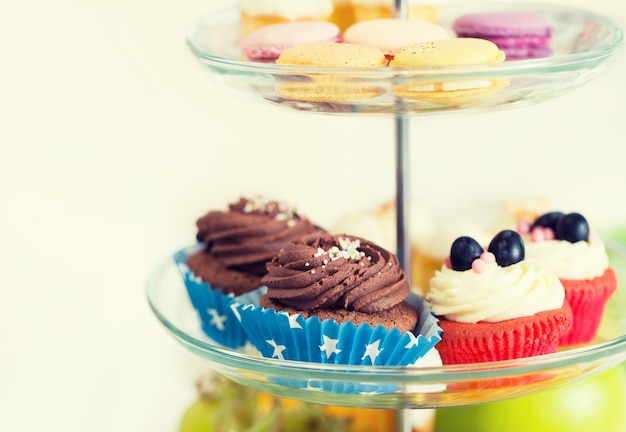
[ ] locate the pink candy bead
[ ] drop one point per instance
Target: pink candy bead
(488, 257)
(523, 226)
(479, 266)
(537, 235)
(540, 234)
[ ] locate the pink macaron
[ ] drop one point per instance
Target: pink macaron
(521, 35)
(392, 34)
(266, 43)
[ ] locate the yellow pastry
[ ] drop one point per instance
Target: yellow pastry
(375, 9)
(330, 87)
(258, 13)
(444, 53)
(343, 14)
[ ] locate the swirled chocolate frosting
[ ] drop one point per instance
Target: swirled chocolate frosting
(250, 233)
(323, 271)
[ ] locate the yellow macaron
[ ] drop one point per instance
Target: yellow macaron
(332, 86)
(449, 53)
(332, 55)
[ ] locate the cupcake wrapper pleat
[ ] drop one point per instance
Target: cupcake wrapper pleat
(276, 334)
(505, 340)
(587, 299)
(279, 335)
(217, 319)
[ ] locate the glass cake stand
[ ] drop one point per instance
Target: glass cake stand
(583, 45)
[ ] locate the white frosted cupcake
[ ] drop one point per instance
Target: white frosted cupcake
(564, 245)
(494, 305)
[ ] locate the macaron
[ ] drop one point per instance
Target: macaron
(266, 43)
(449, 53)
(392, 34)
(332, 55)
(321, 87)
(521, 35)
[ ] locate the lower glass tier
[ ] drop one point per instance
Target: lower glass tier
(391, 387)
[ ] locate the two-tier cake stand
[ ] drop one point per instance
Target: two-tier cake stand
(582, 46)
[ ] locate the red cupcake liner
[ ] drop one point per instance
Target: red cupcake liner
(587, 299)
(510, 339)
(498, 383)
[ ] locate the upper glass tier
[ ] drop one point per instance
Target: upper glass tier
(582, 45)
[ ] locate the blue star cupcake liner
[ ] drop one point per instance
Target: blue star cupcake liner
(283, 336)
(217, 319)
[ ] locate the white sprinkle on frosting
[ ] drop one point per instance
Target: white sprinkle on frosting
(347, 249)
(285, 213)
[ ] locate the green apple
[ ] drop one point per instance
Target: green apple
(225, 406)
(597, 404)
(199, 417)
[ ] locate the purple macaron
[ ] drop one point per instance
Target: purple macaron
(521, 35)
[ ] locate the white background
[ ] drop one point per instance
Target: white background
(113, 140)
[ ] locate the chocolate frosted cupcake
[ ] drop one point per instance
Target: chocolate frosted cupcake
(230, 260)
(238, 243)
(339, 299)
(340, 278)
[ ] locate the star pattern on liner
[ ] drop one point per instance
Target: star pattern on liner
(373, 392)
(329, 346)
(278, 349)
(413, 341)
(183, 268)
(233, 307)
(293, 323)
(186, 272)
(372, 351)
(311, 387)
(216, 319)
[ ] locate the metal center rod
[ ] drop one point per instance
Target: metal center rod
(403, 246)
(400, 10)
(403, 243)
